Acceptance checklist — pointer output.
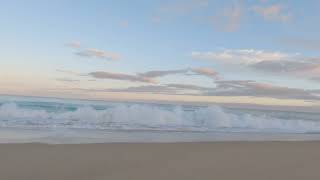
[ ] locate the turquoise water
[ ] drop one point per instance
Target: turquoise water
(62, 118)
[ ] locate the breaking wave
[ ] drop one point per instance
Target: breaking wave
(147, 117)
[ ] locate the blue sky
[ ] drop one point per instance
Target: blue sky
(257, 48)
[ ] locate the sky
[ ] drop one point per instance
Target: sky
(234, 51)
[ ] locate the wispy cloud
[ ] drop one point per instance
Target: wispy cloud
(67, 80)
(182, 7)
(156, 89)
(191, 89)
(229, 18)
(246, 88)
(253, 88)
(68, 72)
(74, 44)
(92, 52)
(96, 53)
(206, 72)
(291, 65)
(160, 73)
(303, 67)
(172, 89)
(121, 76)
(240, 55)
(275, 12)
(177, 9)
(185, 86)
(146, 77)
(203, 71)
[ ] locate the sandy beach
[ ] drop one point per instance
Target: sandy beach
(136, 161)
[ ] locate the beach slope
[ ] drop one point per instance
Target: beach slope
(177, 161)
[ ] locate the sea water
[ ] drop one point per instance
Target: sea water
(30, 119)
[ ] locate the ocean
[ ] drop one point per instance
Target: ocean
(51, 120)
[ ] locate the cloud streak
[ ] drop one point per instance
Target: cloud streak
(308, 68)
(237, 56)
(274, 12)
(74, 44)
(93, 52)
(229, 18)
(246, 88)
(67, 80)
(170, 89)
(96, 53)
(177, 9)
(68, 72)
(121, 76)
(291, 65)
(253, 88)
(208, 72)
(150, 76)
(160, 73)
(203, 71)
(155, 89)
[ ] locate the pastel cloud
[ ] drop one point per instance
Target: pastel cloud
(229, 18)
(293, 65)
(74, 44)
(253, 88)
(186, 86)
(160, 73)
(176, 9)
(92, 52)
(68, 72)
(120, 76)
(170, 89)
(67, 80)
(240, 55)
(156, 89)
(234, 88)
(150, 76)
(274, 12)
(204, 71)
(305, 67)
(96, 53)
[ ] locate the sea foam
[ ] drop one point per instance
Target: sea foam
(124, 116)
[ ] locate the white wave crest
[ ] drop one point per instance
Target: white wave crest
(124, 116)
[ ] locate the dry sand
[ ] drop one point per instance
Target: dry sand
(203, 161)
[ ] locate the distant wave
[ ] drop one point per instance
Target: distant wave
(148, 117)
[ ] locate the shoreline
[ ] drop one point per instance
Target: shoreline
(80, 136)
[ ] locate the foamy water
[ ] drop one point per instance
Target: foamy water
(70, 117)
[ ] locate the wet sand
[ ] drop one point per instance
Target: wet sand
(177, 161)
